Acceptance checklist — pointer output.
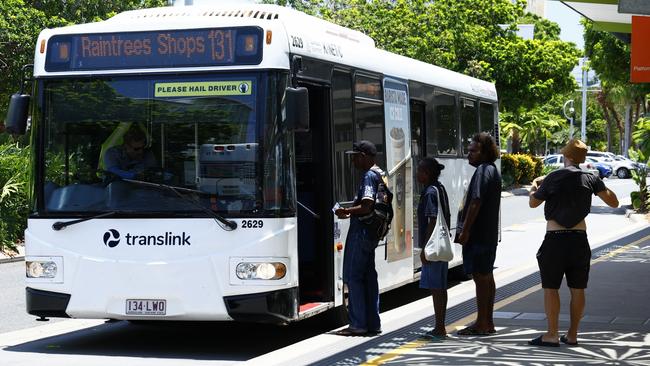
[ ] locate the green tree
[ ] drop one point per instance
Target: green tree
(20, 25)
(610, 58)
(641, 154)
(13, 193)
(544, 28)
(535, 128)
(86, 11)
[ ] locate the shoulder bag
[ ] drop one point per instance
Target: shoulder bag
(438, 248)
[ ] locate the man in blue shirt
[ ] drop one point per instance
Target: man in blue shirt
(132, 158)
(359, 272)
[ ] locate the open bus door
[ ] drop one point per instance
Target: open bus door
(315, 200)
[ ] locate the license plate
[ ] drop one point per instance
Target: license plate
(146, 307)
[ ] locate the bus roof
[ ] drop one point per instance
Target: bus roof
(293, 32)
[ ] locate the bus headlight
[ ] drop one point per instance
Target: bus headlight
(261, 271)
(41, 269)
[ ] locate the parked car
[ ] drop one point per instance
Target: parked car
(604, 170)
(622, 168)
(626, 162)
(557, 160)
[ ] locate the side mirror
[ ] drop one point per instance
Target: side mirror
(297, 109)
(17, 114)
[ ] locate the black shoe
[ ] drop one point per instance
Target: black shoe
(350, 332)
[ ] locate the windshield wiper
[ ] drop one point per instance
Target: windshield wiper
(232, 225)
(62, 225)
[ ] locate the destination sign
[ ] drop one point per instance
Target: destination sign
(155, 49)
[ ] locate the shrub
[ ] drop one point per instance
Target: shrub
(520, 169)
(526, 166)
(538, 170)
(508, 170)
(14, 207)
(548, 168)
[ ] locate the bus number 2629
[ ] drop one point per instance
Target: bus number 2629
(252, 224)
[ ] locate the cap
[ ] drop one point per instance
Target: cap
(440, 166)
(575, 150)
(363, 146)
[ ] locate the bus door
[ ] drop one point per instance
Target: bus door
(315, 201)
(417, 133)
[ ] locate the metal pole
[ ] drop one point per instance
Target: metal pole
(626, 138)
(572, 113)
(583, 129)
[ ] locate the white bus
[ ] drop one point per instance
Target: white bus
(248, 110)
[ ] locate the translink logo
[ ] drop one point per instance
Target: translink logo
(111, 239)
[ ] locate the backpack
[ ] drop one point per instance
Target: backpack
(379, 219)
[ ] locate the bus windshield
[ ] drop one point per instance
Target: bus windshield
(215, 139)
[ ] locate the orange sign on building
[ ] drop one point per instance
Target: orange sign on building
(640, 63)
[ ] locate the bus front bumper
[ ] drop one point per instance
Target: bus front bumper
(277, 307)
(47, 303)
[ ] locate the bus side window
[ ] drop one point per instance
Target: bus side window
(369, 115)
(343, 134)
(486, 112)
(445, 129)
(468, 122)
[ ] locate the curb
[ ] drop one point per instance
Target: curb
(636, 217)
(6, 258)
(17, 258)
(521, 191)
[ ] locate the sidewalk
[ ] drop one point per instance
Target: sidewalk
(518, 309)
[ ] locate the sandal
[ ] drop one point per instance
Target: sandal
(542, 343)
(350, 332)
(431, 335)
(564, 339)
(471, 331)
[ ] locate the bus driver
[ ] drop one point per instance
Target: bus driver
(132, 158)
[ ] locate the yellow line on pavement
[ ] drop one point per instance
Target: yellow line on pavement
(395, 352)
(619, 250)
(390, 355)
(452, 327)
(497, 306)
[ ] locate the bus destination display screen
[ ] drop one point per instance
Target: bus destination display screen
(155, 49)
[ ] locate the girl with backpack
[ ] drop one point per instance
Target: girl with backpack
(434, 274)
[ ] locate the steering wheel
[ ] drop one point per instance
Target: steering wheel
(157, 175)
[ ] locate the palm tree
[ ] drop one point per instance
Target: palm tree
(533, 128)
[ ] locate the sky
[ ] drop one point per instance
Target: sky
(568, 20)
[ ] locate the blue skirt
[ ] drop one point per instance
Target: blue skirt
(434, 275)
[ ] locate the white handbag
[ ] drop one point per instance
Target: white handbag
(438, 247)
